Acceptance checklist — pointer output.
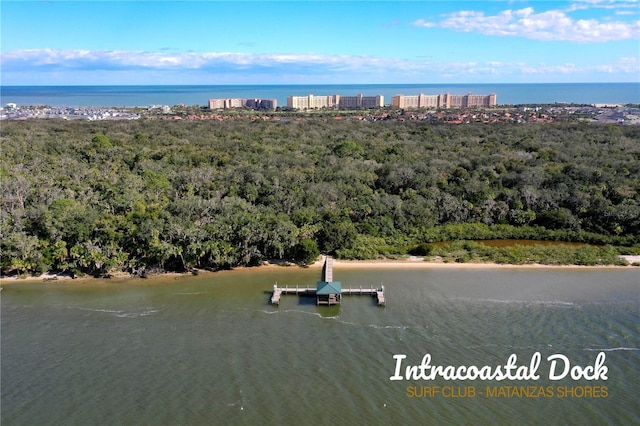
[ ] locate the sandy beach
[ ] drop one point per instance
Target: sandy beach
(420, 263)
(412, 262)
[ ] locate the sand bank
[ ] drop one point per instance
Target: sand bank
(421, 264)
(415, 262)
(412, 262)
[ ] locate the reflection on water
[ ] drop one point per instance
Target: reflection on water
(332, 311)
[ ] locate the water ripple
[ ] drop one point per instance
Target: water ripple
(530, 302)
(611, 349)
(338, 319)
(118, 313)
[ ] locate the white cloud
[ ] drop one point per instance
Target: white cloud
(603, 4)
(282, 67)
(549, 25)
(115, 59)
(623, 66)
(425, 24)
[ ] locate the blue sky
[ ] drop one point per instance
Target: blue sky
(323, 42)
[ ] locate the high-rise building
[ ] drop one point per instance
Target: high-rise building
(446, 100)
(360, 101)
(254, 103)
(261, 103)
(216, 103)
(335, 102)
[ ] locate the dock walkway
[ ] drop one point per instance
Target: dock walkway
(328, 269)
(310, 291)
(327, 275)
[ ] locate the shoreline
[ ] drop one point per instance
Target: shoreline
(412, 262)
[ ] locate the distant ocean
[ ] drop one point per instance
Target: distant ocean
(129, 96)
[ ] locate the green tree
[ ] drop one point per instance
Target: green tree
(307, 251)
(338, 232)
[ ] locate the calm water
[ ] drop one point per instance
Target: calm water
(584, 93)
(210, 350)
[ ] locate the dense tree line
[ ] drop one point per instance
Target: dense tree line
(94, 197)
(519, 254)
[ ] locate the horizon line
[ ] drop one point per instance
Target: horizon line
(317, 84)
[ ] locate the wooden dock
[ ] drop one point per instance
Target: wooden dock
(300, 291)
(328, 269)
(324, 296)
(378, 293)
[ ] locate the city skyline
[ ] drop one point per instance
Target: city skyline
(318, 42)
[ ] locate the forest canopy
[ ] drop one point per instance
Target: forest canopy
(95, 197)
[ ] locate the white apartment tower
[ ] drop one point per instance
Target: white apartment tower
(443, 101)
(335, 102)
